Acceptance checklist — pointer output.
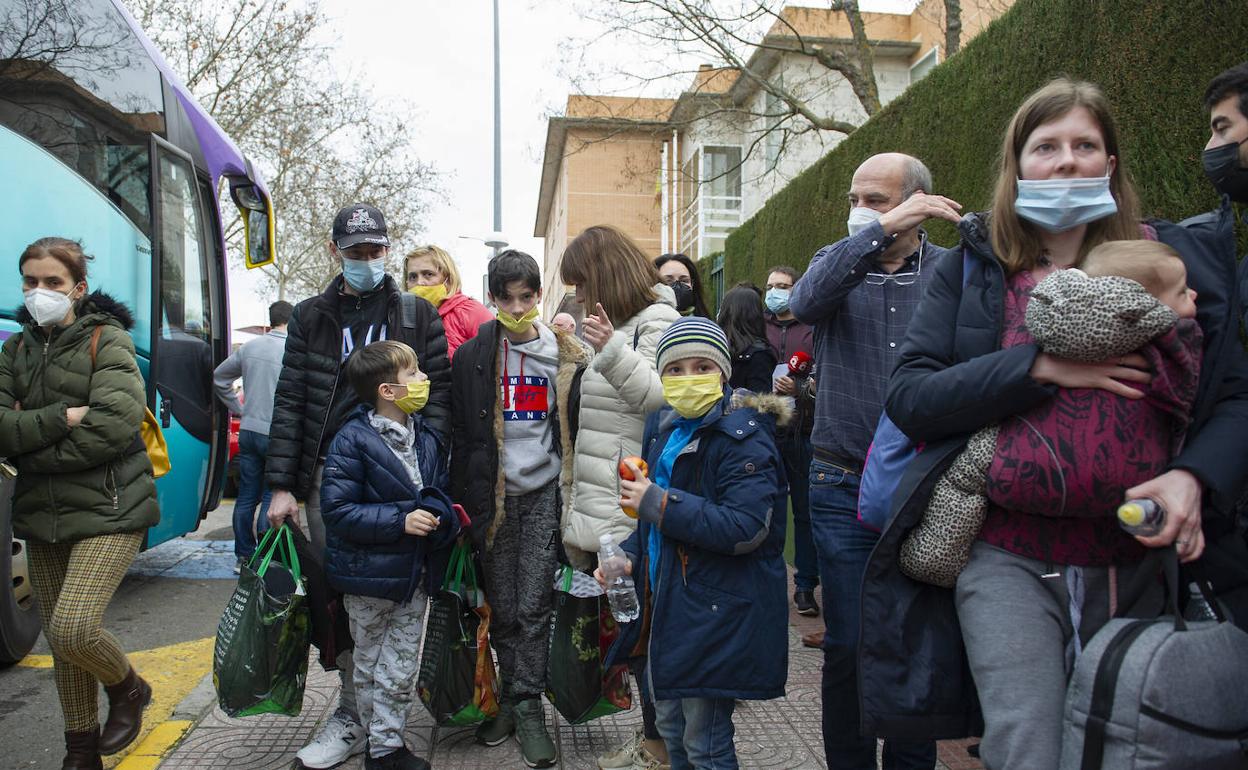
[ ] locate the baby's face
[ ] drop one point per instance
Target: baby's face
(1177, 296)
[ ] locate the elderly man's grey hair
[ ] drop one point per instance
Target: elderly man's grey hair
(915, 177)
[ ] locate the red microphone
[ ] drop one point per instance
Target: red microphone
(800, 363)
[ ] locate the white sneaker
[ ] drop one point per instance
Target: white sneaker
(341, 738)
(644, 760)
(621, 757)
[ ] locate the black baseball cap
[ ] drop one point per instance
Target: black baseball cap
(359, 223)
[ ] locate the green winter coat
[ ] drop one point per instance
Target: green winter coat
(93, 479)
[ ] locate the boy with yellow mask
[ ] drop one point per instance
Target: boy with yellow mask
(387, 518)
(517, 385)
(708, 550)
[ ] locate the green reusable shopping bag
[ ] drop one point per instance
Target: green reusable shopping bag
(577, 684)
(260, 663)
(456, 680)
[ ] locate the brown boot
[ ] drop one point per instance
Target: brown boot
(126, 701)
(82, 751)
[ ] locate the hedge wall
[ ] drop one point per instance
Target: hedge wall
(1154, 59)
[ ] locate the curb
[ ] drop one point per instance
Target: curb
(166, 736)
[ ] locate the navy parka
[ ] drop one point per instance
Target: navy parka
(366, 493)
(717, 614)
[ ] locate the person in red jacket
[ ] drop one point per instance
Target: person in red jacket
(430, 273)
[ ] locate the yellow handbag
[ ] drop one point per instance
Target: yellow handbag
(153, 437)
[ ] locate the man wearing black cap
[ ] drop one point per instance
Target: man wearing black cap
(360, 306)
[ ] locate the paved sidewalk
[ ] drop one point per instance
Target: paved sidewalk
(783, 733)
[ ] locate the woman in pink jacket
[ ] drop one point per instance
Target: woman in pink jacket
(430, 273)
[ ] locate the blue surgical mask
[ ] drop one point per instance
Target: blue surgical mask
(364, 274)
(777, 300)
(1058, 205)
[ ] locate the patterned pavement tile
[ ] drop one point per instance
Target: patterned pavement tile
(782, 733)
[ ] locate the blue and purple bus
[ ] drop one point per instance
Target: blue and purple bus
(102, 143)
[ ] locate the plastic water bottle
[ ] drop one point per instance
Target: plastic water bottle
(1143, 517)
(621, 593)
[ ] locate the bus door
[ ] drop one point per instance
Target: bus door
(185, 326)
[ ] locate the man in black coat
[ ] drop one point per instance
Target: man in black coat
(360, 306)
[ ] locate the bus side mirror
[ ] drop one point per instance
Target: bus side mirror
(259, 229)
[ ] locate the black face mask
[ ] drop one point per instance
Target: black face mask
(684, 296)
(1224, 170)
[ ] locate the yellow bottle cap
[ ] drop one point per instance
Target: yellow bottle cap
(1131, 514)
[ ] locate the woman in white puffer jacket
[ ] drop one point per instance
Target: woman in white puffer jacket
(614, 279)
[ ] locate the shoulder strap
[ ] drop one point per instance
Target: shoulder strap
(636, 334)
(407, 310)
(95, 344)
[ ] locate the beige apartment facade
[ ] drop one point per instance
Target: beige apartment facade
(678, 175)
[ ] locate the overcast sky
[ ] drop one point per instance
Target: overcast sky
(437, 58)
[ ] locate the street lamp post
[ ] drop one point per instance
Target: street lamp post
(498, 134)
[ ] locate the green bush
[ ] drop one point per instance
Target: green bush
(1153, 58)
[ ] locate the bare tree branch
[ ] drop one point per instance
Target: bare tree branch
(772, 49)
(260, 66)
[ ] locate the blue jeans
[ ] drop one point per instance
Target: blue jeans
(844, 545)
(795, 449)
(698, 733)
(252, 491)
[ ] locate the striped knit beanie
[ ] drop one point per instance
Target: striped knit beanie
(694, 337)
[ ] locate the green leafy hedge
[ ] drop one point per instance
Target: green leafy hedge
(1154, 59)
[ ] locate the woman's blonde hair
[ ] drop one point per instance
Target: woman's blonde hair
(441, 260)
(1017, 242)
(610, 269)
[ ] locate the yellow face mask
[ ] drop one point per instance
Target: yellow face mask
(518, 325)
(432, 294)
(415, 398)
(693, 395)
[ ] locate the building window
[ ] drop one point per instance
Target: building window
(924, 65)
(772, 107)
(712, 199)
(717, 282)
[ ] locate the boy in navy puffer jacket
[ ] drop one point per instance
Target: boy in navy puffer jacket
(385, 515)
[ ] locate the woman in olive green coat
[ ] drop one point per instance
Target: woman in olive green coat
(71, 402)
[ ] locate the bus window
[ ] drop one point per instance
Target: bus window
(184, 372)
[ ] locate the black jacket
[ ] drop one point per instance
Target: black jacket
(313, 399)
(752, 369)
(952, 378)
(477, 481)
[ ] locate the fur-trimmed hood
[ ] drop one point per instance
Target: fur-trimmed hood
(95, 302)
(778, 408)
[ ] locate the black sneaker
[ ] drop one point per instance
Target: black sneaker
(399, 759)
(805, 603)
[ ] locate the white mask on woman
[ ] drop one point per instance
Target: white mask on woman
(48, 306)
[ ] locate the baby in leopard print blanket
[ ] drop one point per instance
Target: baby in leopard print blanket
(1076, 454)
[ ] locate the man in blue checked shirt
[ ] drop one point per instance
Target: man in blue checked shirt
(859, 293)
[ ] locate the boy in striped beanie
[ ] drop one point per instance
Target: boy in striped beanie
(694, 363)
(710, 540)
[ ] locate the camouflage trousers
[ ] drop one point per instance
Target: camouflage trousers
(387, 657)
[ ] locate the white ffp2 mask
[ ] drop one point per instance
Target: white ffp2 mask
(47, 306)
